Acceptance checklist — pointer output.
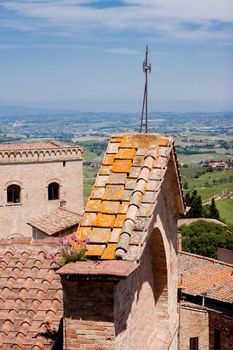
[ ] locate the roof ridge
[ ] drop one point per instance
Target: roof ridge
(69, 211)
(26, 241)
(135, 202)
(205, 258)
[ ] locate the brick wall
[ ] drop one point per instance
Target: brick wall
(88, 315)
(194, 322)
(224, 324)
(122, 315)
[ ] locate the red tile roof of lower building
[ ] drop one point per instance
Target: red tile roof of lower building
(31, 306)
(57, 221)
(199, 274)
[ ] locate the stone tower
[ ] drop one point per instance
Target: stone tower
(35, 179)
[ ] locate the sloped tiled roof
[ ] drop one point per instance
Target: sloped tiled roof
(30, 296)
(57, 221)
(199, 274)
(123, 198)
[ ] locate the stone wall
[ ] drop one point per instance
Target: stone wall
(88, 315)
(224, 324)
(194, 322)
(135, 308)
(34, 178)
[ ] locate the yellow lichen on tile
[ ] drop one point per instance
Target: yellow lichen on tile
(126, 153)
(115, 139)
(119, 220)
(88, 219)
(113, 192)
(109, 207)
(143, 141)
(121, 166)
(109, 252)
(104, 220)
(108, 160)
(105, 170)
(100, 235)
(83, 232)
(164, 141)
(93, 205)
(95, 249)
(123, 207)
(97, 192)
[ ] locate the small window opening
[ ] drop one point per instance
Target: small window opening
(217, 339)
(53, 191)
(64, 164)
(194, 343)
(13, 194)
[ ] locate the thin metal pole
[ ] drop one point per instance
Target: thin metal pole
(144, 115)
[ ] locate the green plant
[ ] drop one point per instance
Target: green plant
(72, 250)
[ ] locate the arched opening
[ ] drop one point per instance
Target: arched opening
(53, 191)
(159, 266)
(13, 194)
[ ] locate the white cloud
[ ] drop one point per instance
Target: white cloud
(184, 19)
(122, 51)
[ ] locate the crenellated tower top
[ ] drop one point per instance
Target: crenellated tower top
(51, 150)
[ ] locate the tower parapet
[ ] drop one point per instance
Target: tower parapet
(39, 152)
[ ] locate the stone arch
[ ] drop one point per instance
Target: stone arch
(160, 273)
(18, 156)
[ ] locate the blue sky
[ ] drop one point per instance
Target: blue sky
(88, 54)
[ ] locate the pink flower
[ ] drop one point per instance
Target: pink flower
(73, 236)
(46, 256)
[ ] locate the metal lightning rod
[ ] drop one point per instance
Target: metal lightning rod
(144, 117)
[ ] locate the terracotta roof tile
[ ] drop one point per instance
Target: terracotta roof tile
(28, 296)
(125, 153)
(121, 166)
(123, 198)
(104, 220)
(57, 221)
(199, 274)
(113, 192)
(109, 207)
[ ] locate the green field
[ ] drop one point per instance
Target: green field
(209, 185)
(225, 207)
(208, 193)
(197, 158)
(89, 176)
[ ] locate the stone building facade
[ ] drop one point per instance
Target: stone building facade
(206, 303)
(34, 179)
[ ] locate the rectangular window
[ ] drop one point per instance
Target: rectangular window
(217, 339)
(194, 343)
